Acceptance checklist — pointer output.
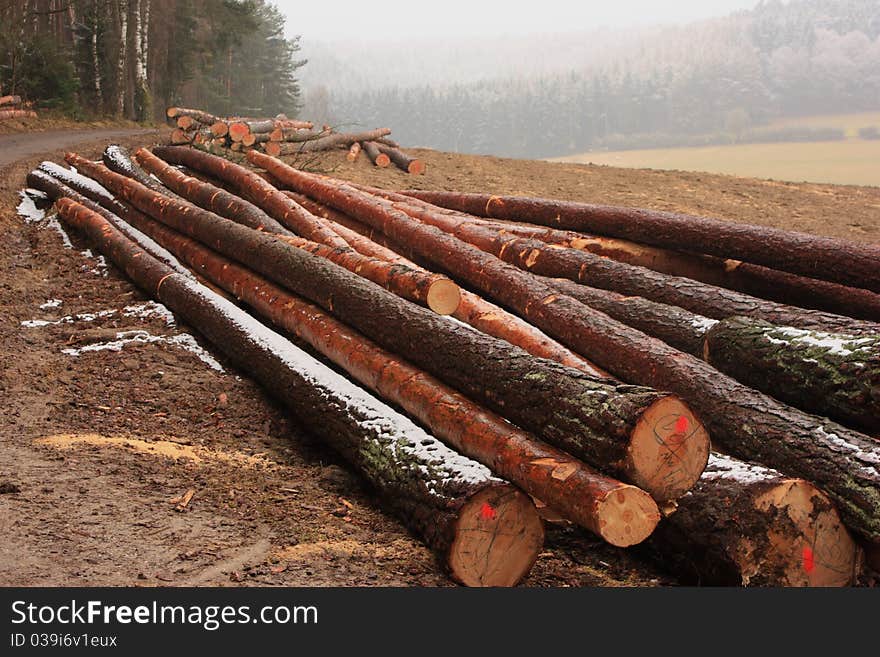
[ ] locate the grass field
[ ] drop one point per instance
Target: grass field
(849, 123)
(847, 162)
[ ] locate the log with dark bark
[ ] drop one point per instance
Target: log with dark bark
(747, 525)
(296, 134)
(648, 438)
(621, 514)
(401, 160)
(376, 156)
(117, 158)
(825, 258)
(487, 532)
(831, 374)
(256, 190)
(17, 114)
(548, 260)
(340, 140)
(751, 425)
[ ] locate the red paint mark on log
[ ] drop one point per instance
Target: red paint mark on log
(681, 425)
(809, 562)
(487, 512)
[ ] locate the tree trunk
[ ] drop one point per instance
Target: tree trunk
(376, 156)
(749, 424)
(621, 514)
(547, 260)
(834, 375)
(488, 531)
(746, 525)
(401, 160)
(825, 258)
(650, 439)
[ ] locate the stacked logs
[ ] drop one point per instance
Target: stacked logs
(280, 136)
(12, 107)
(542, 373)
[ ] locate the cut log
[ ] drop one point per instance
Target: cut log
(204, 118)
(254, 138)
(117, 158)
(751, 425)
(621, 514)
(472, 309)
(10, 101)
(438, 493)
(353, 152)
(340, 140)
(296, 134)
(16, 114)
(376, 156)
(401, 160)
(583, 267)
(831, 374)
(220, 128)
(649, 438)
(206, 195)
(256, 190)
(179, 136)
(187, 123)
(747, 525)
(272, 148)
(825, 258)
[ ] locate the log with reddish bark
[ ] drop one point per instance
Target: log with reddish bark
(340, 140)
(825, 258)
(296, 134)
(256, 190)
(548, 260)
(179, 136)
(17, 114)
(401, 160)
(238, 129)
(376, 156)
(206, 195)
(750, 424)
(487, 532)
(117, 158)
(254, 138)
(831, 374)
(353, 152)
(9, 102)
(650, 439)
(621, 514)
(205, 118)
(747, 525)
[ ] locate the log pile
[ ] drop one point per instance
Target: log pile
(543, 383)
(12, 107)
(283, 137)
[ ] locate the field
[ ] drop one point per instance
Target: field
(850, 123)
(848, 162)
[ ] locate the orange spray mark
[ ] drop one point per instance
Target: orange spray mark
(487, 512)
(809, 562)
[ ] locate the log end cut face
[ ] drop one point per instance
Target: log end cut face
(498, 536)
(806, 543)
(668, 451)
(627, 516)
(443, 296)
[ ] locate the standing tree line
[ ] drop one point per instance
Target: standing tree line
(132, 58)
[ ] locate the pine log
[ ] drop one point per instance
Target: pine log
(117, 158)
(17, 114)
(831, 374)
(353, 152)
(238, 129)
(205, 118)
(256, 190)
(747, 525)
(254, 138)
(179, 136)
(648, 438)
(580, 266)
(825, 258)
(488, 532)
(340, 140)
(206, 195)
(401, 160)
(296, 134)
(10, 101)
(272, 148)
(621, 514)
(376, 156)
(751, 425)
(220, 128)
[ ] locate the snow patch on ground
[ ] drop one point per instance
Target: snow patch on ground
(51, 303)
(141, 311)
(183, 340)
(149, 309)
(27, 208)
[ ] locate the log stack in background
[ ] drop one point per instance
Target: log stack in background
(12, 107)
(519, 376)
(283, 137)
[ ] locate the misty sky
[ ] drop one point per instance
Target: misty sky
(399, 19)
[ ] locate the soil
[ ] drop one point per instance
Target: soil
(99, 452)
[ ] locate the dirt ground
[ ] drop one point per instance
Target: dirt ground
(97, 449)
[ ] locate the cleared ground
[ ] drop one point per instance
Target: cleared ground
(845, 162)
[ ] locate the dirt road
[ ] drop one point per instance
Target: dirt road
(109, 416)
(25, 145)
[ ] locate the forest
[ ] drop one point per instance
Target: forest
(715, 81)
(132, 58)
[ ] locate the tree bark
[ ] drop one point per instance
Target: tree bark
(649, 438)
(747, 525)
(834, 375)
(751, 425)
(621, 514)
(438, 493)
(825, 258)
(376, 156)
(116, 158)
(339, 140)
(547, 260)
